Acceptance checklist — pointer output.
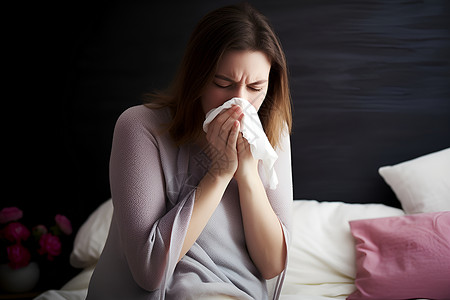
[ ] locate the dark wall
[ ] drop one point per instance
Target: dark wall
(370, 86)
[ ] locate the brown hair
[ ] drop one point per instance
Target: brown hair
(237, 27)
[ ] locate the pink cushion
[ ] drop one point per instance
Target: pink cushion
(403, 257)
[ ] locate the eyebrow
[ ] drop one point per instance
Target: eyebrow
(218, 76)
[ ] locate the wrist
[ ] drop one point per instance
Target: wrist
(248, 178)
(218, 177)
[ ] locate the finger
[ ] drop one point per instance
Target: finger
(234, 134)
(223, 116)
(242, 143)
(224, 120)
(229, 123)
(235, 113)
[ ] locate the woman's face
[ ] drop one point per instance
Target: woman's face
(242, 74)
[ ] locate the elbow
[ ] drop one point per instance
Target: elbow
(272, 271)
(149, 274)
(149, 281)
(273, 267)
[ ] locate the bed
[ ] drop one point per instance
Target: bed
(334, 243)
(370, 86)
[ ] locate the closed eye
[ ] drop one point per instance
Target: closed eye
(225, 82)
(223, 86)
(256, 89)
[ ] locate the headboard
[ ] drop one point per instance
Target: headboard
(370, 84)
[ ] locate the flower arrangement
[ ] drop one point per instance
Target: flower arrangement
(19, 245)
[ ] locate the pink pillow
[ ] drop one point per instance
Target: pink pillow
(403, 257)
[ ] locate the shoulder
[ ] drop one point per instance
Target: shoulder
(140, 123)
(141, 116)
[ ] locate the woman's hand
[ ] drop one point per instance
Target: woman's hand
(221, 149)
(222, 138)
(247, 165)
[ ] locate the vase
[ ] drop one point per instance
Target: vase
(19, 280)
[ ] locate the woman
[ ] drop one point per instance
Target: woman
(193, 215)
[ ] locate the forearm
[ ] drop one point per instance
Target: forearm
(208, 195)
(263, 232)
(212, 186)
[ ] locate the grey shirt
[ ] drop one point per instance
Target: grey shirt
(153, 186)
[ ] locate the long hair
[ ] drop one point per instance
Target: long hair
(237, 27)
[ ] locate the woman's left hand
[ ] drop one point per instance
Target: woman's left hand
(247, 165)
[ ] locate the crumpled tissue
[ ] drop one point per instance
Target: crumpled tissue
(253, 131)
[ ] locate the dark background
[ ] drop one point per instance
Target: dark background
(370, 83)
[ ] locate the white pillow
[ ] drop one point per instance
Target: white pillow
(91, 237)
(322, 249)
(422, 184)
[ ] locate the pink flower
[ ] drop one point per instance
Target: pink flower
(18, 256)
(64, 224)
(51, 245)
(16, 232)
(9, 214)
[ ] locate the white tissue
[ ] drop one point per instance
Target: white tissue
(253, 131)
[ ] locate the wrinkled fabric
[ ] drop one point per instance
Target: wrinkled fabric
(153, 186)
(253, 132)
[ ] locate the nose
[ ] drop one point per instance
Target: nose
(241, 92)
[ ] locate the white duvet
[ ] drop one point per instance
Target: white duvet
(321, 257)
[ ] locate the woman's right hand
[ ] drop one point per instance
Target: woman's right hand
(222, 137)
